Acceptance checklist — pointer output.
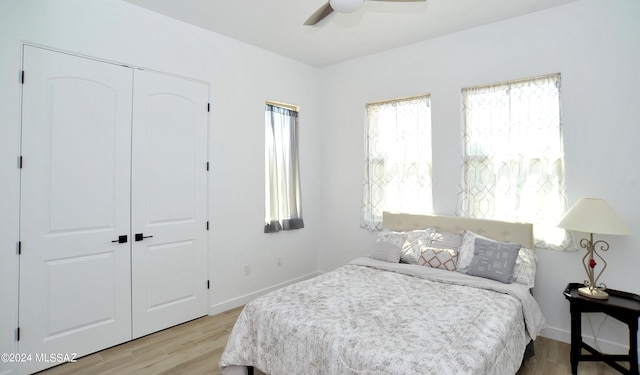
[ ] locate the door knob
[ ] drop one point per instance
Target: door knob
(121, 239)
(141, 236)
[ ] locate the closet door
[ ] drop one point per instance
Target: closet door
(75, 287)
(169, 181)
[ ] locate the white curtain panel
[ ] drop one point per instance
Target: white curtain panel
(397, 175)
(513, 159)
(283, 203)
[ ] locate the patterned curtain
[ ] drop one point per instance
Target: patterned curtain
(513, 166)
(283, 203)
(397, 167)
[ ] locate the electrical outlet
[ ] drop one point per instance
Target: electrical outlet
(279, 261)
(247, 269)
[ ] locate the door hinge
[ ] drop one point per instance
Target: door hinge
(208, 284)
(18, 334)
(19, 247)
(20, 162)
(208, 107)
(22, 77)
(207, 225)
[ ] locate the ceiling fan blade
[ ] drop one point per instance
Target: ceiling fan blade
(319, 14)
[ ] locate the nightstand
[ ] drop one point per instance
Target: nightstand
(620, 305)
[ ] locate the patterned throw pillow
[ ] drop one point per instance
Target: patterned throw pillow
(396, 238)
(524, 271)
(466, 250)
(415, 240)
(494, 260)
(445, 259)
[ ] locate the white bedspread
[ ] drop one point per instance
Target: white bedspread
(372, 317)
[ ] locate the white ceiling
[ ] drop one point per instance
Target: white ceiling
(277, 25)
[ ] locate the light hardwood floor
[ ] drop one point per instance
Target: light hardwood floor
(195, 348)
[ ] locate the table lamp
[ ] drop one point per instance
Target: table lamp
(592, 215)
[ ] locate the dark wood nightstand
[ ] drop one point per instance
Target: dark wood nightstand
(620, 305)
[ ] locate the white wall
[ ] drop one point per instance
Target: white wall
(594, 44)
(241, 78)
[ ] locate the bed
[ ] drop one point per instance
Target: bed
(413, 315)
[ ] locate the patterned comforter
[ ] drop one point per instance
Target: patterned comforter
(372, 317)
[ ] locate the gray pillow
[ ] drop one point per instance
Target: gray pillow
(385, 251)
(494, 260)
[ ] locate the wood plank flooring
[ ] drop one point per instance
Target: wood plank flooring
(190, 348)
(195, 348)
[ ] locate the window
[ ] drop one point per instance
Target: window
(283, 209)
(513, 161)
(397, 175)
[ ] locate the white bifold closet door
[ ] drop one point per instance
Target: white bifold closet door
(83, 189)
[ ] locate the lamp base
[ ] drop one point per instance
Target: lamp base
(593, 293)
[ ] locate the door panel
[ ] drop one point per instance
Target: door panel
(91, 130)
(69, 274)
(75, 288)
(170, 266)
(169, 201)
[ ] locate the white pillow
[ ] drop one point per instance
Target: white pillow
(525, 270)
(414, 242)
(465, 253)
(396, 238)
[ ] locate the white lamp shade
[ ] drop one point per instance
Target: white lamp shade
(591, 215)
(346, 6)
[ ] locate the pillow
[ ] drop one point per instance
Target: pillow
(415, 240)
(524, 271)
(396, 238)
(494, 260)
(444, 259)
(446, 240)
(386, 252)
(466, 250)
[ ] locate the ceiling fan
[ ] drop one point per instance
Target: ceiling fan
(343, 6)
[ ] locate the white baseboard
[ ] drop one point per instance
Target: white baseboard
(605, 345)
(244, 299)
(556, 334)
